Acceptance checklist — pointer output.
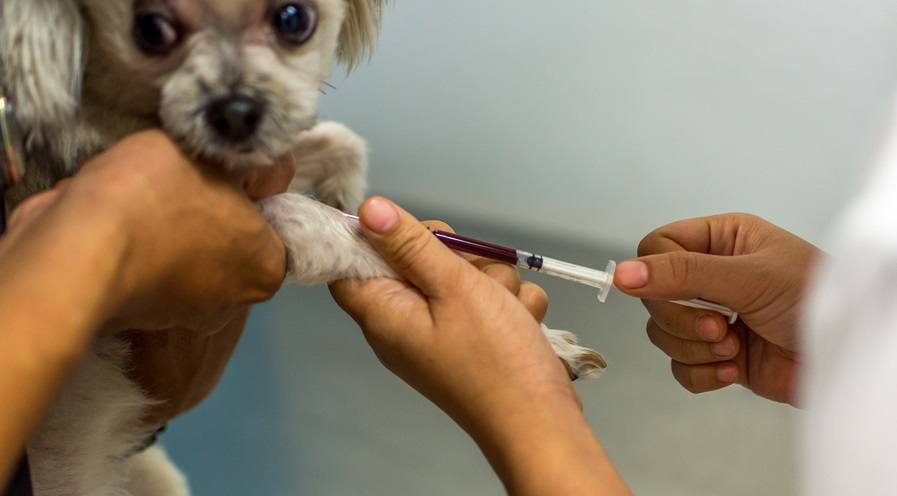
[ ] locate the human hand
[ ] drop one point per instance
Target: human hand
(178, 366)
(198, 252)
(476, 349)
(457, 335)
(182, 366)
(531, 295)
(742, 262)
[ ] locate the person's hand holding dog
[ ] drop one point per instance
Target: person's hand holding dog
(184, 253)
(744, 263)
(467, 336)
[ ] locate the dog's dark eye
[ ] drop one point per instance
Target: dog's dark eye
(295, 22)
(155, 34)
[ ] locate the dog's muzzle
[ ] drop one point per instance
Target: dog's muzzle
(235, 118)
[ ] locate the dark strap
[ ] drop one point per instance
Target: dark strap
(20, 484)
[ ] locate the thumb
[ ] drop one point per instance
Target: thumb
(410, 248)
(683, 275)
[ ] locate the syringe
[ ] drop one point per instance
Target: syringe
(603, 280)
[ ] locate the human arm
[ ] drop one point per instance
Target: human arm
(469, 345)
(744, 263)
(55, 277)
(119, 247)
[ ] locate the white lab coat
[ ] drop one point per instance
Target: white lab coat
(849, 438)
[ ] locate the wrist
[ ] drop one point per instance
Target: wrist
(542, 444)
(61, 268)
(111, 197)
(100, 216)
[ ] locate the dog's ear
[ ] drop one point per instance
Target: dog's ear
(42, 55)
(359, 31)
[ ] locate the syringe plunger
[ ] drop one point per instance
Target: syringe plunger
(604, 281)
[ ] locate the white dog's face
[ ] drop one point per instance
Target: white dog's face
(234, 81)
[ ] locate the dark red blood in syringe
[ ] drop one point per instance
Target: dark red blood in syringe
(477, 247)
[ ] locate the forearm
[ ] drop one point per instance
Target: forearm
(56, 284)
(547, 447)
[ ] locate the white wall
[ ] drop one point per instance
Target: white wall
(602, 119)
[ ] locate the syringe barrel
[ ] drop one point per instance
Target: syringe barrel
(571, 272)
(575, 273)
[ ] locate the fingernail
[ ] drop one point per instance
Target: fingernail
(632, 275)
(708, 328)
(727, 374)
(724, 349)
(379, 215)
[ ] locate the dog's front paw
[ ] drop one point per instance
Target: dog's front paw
(322, 244)
(342, 191)
(332, 160)
(581, 362)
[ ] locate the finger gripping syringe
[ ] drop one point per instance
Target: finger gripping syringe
(603, 280)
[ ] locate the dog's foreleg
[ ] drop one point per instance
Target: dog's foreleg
(332, 160)
(322, 244)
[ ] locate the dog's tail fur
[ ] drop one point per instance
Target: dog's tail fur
(360, 30)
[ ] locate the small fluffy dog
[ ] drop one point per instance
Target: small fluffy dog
(236, 83)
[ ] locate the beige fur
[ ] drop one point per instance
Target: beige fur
(359, 30)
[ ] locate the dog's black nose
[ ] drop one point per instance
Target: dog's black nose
(235, 118)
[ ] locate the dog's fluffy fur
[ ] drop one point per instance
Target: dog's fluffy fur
(80, 83)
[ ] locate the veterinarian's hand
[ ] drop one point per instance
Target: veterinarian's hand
(448, 310)
(474, 348)
(744, 263)
(531, 295)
